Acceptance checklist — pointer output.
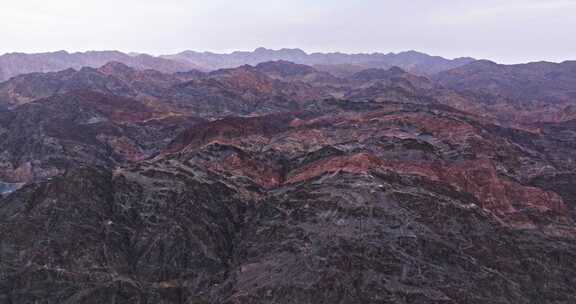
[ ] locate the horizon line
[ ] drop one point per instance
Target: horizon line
(252, 50)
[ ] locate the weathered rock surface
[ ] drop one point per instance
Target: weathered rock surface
(399, 191)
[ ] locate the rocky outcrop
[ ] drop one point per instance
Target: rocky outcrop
(171, 232)
(120, 236)
(47, 137)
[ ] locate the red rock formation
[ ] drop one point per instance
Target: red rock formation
(502, 197)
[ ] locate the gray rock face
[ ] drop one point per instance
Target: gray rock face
(129, 237)
(167, 232)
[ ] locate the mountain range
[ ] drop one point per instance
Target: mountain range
(19, 63)
(411, 60)
(311, 178)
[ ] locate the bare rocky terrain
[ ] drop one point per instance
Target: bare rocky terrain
(280, 182)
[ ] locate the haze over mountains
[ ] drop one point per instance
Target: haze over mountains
(411, 60)
(286, 177)
(20, 63)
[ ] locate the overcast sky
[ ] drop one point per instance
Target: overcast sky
(507, 31)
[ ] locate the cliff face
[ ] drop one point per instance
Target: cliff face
(260, 185)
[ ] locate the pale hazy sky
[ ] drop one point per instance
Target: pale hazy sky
(503, 30)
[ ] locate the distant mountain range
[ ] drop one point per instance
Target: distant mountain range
(412, 61)
(14, 64)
